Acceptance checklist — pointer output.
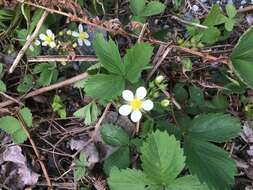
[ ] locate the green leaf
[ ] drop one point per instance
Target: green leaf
(129, 179)
(196, 95)
(153, 8)
(242, 56)
(162, 158)
(27, 116)
(89, 113)
(180, 92)
(108, 54)
(114, 135)
(26, 84)
(137, 6)
(210, 35)
(35, 19)
(231, 10)
(216, 127)
(229, 24)
(2, 86)
(214, 17)
(120, 159)
(59, 107)
(187, 183)
(103, 86)
(211, 164)
(1, 68)
(136, 60)
(80, 164)
(12, 126)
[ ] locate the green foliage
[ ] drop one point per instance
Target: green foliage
(26, 84)
(89, 113)
(162, 161)
(80, 164)
(135, 61)
(59, 107)
(142, 9)
(211, 164)
(230, 21)
(12, 126)
(114, 135)
(48, 73)
(2, 84)
(242, 56)
(177, 3)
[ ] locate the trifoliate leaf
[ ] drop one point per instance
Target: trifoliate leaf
(214, 17)
(120, 159)
(242, 56)
(80, 165)
(108, 55)
(136, 60)
(211, 164)
(127, 179)
(187, 183)
(152, 8)
(137, 6)
(89, 113)
(162, 158)
(216, 127)
(27, 116)
(103, 86)
(2, 86)
(114, 135)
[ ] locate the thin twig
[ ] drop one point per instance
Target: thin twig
(142, 32)
(48, 88)
(172, 99)
(168, 49)
(29, 41)
(61, 58)
(189, 23)
(11, 98)
(22, 124)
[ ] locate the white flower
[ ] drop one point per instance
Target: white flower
(82, 36)
(135, 104)
(36, 42)
(48, 39)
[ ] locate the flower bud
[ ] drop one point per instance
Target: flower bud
(165, 103)
(69, 32)
(159, 79)
(74, 45)
(156, 95)
(60, 33)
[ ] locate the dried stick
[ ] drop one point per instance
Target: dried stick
(61, 58)
(10, 98)
(189, 23)
(48, 88)
(22, 124)
(29, 41)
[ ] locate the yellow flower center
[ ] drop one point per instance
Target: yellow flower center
(136, 104)
(83, 35)
(49, 39)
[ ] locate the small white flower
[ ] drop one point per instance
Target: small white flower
(36, 42)
(48, 39)
(135, 103)
(82, 36)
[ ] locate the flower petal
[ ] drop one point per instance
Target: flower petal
(37, 42)
(136, 116)
(44, 44)
(80, 28)
(125, 110)
(87, 42)
(52, 44)
(49, 32)
(127, 95)
(42, 37)
(75, 34)
(147, 105)
(80, 42)
(141, 92)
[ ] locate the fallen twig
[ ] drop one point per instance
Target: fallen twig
(48, 88)
(61, 58)
(29, 41)
(43, 167)
(189, 23)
